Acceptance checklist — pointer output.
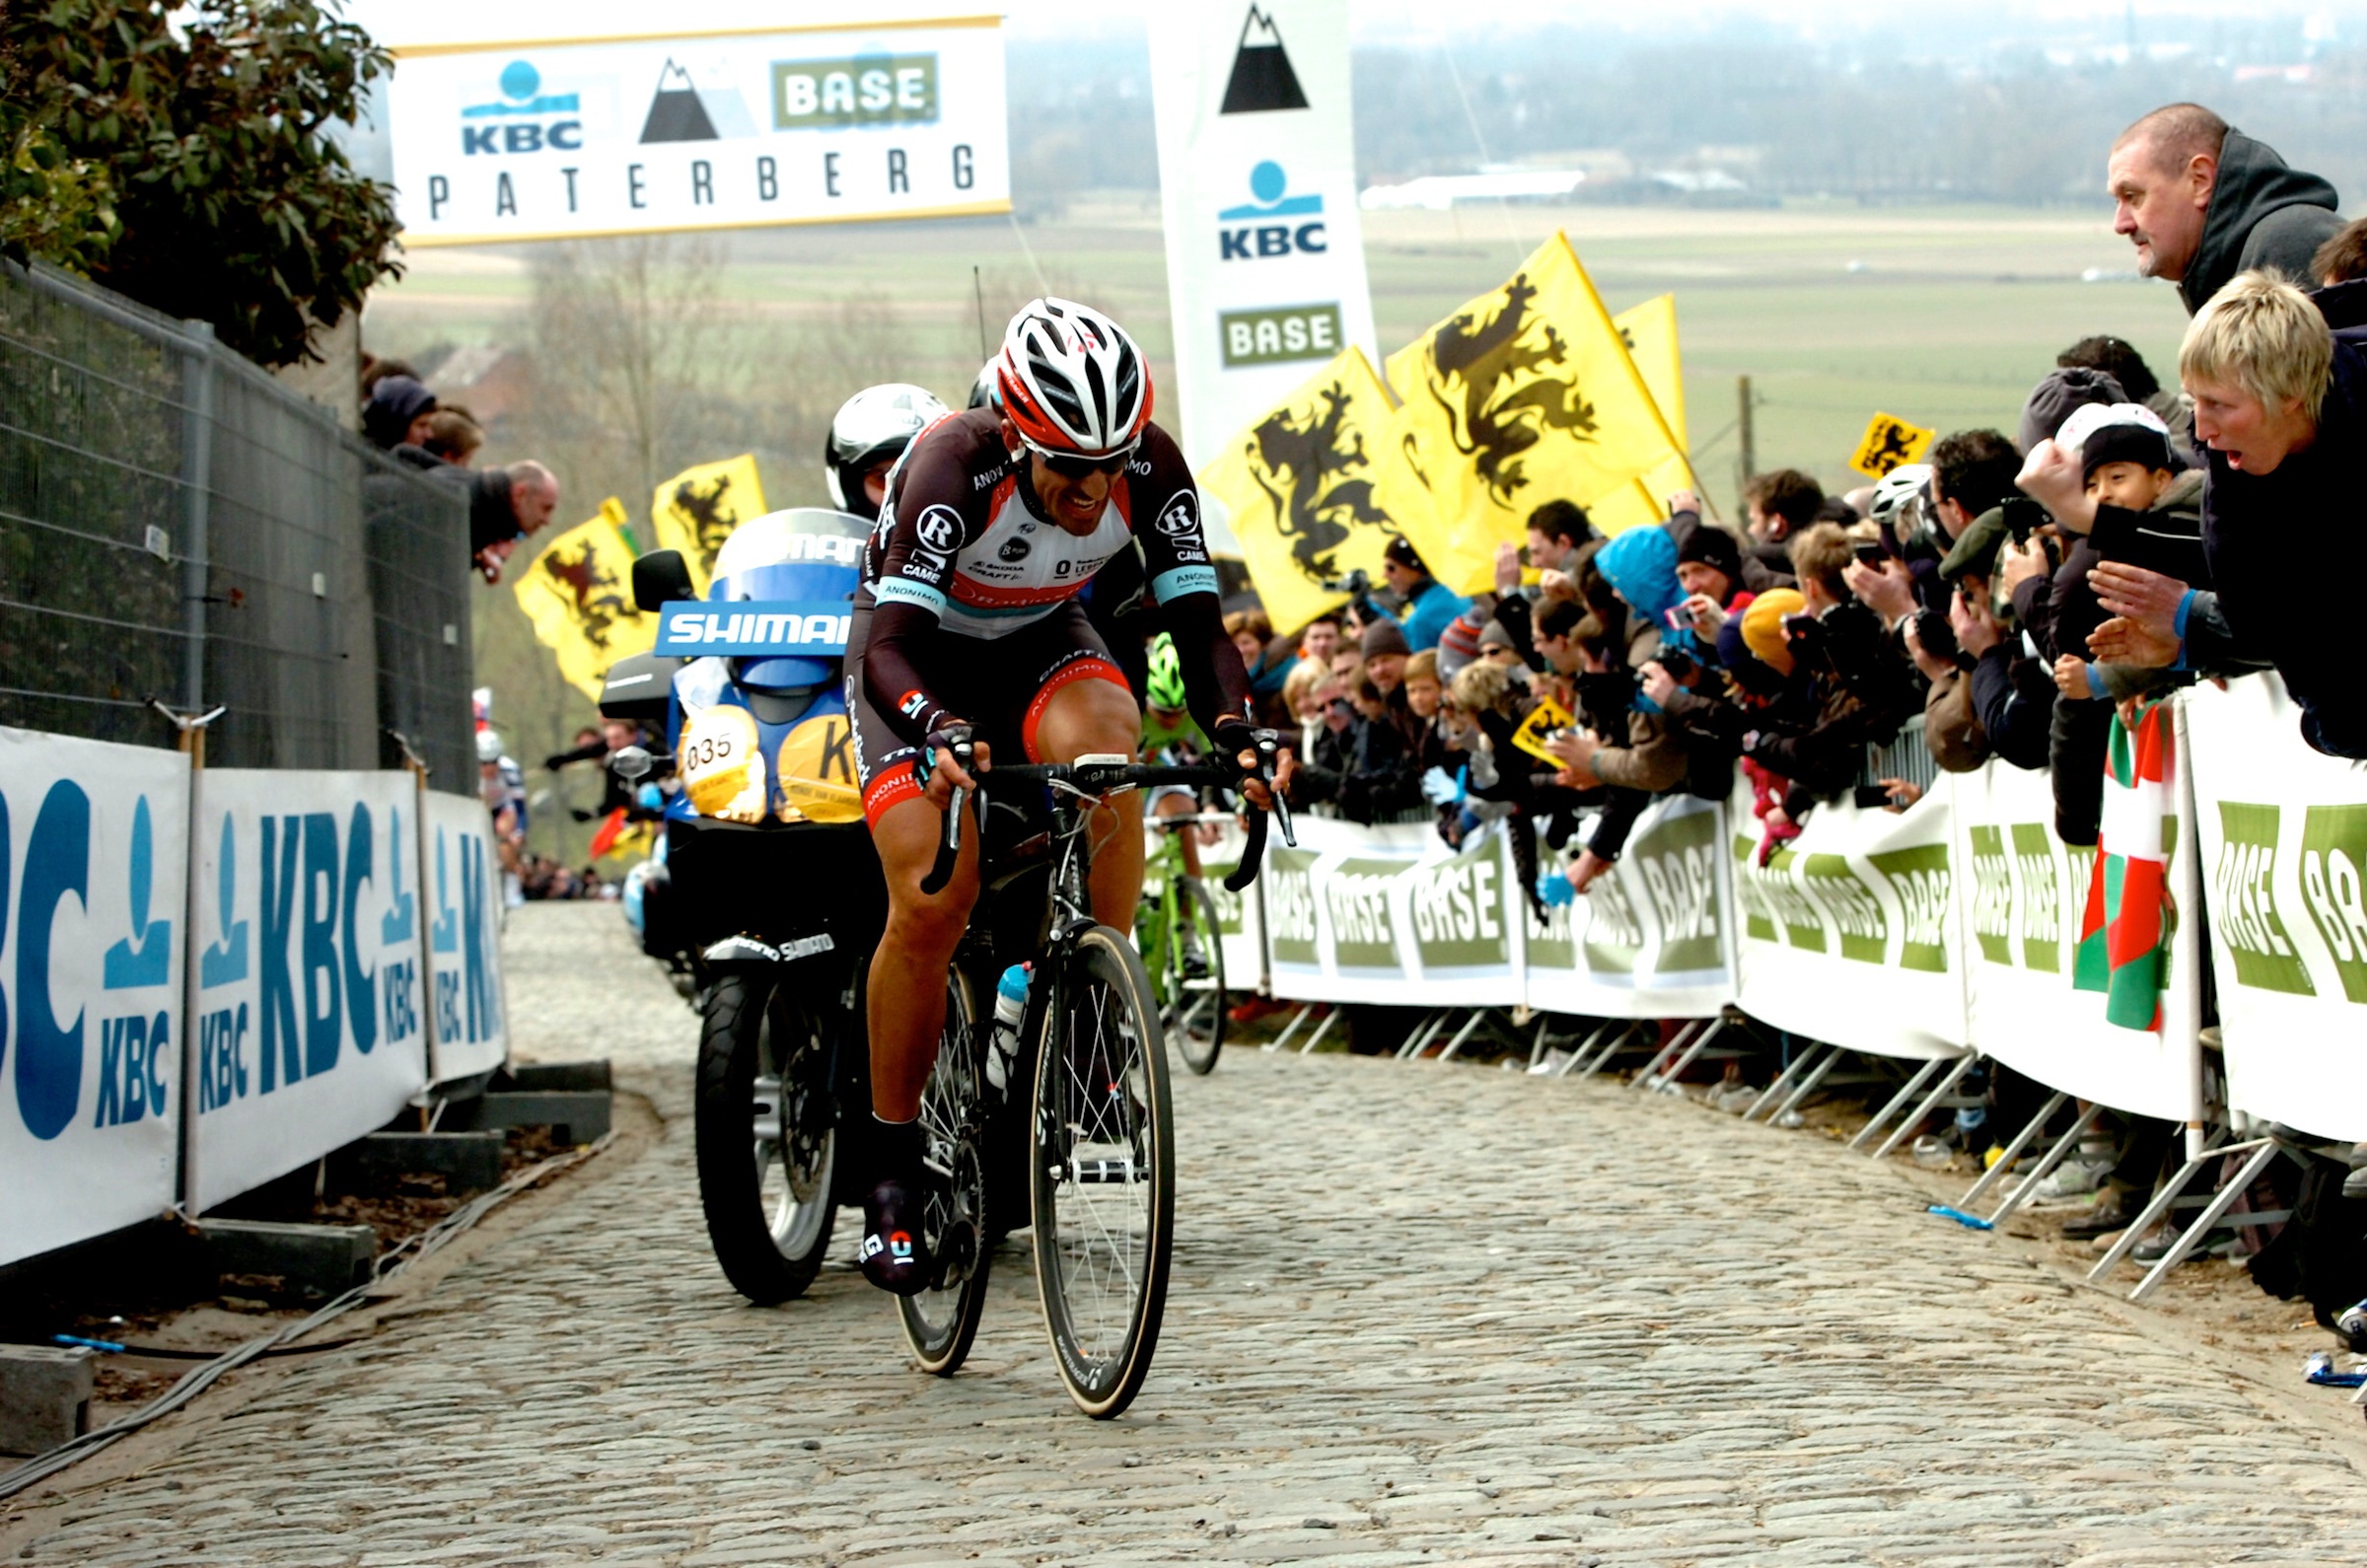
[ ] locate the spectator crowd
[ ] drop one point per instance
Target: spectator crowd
(2135, 532)
(404, 421)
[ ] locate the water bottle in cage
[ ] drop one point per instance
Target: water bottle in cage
(1010, 1005)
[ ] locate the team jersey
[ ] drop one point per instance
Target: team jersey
(958, 534)
(959, 547)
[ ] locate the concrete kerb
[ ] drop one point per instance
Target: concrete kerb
(44, 1395)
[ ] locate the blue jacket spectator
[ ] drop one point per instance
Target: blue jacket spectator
(1429, 604)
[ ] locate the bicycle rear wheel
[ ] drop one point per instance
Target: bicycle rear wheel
(1195, 1004)
(1104, 1173)
(940, 1323)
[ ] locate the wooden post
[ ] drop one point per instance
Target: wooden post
(1747, 441)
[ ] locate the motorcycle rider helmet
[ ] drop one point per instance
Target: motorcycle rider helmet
(873, 426)
(808, 557)
(982, 393)
(1072, 380)
(1163, 685)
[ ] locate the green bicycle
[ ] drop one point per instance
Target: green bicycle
(1182, 945)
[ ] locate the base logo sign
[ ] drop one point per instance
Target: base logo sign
(94, 862)
(310, 1010)
(1863, 904)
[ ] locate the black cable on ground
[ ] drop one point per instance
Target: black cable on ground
(401, 1256)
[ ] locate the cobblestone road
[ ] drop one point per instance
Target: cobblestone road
(1420, 1314)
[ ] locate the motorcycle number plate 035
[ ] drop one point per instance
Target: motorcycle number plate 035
(722, 769)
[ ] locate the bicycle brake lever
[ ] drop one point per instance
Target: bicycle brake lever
(1268, 750)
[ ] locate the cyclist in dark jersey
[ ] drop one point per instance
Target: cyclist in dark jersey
(967, 630)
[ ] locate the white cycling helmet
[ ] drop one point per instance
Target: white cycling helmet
(875, 423)
(982, 392)
(1072, 380)
(1894, 491)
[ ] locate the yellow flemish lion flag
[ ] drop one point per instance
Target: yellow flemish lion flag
(1525, 395)
(579, 594)
(1650, 332)
(1299, 487)
(696, 511)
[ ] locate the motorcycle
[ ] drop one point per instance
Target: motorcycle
(769, 901)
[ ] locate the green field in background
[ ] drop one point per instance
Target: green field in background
(1947, 317)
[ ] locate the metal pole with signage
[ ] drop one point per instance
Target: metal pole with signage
(1258, 186)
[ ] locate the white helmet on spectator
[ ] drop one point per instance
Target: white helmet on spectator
(1903, 486)
(1072, 382)
(876, 424)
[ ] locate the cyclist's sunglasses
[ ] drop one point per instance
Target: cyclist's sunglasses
(1071, 467)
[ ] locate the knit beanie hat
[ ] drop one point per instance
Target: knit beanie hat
(1384, 636)
(1493, 636)
(2053, 398)
(1459, 644)
(1712, 547)
(2103, 433)
(1763, 626)
(394, 402)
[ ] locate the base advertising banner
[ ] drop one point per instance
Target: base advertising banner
(1653, 935)
(1257, 193)
(2023, 902)
(310, 1002)
(468, 1015)
(565, 138)
(2283, 838)
(1243, 940)
(94, 869)
(1391, 914)
(1848, 932)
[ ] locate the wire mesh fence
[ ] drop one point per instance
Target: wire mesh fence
(177, 526)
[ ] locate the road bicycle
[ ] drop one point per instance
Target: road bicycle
(1066, 1126)
(1176, 926)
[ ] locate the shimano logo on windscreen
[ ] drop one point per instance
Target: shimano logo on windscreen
(752, 629)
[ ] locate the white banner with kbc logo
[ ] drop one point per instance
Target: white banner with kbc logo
(730, 128)
(463, 883)
(93, 867)
(310, 1028)
(1258, 187)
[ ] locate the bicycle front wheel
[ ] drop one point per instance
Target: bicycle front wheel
(1195, 1002)
(1104, 1173)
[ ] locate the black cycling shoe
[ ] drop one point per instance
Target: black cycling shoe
(893, 1254)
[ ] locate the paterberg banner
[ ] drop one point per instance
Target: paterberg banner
(1257, 189)
(653, 131)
